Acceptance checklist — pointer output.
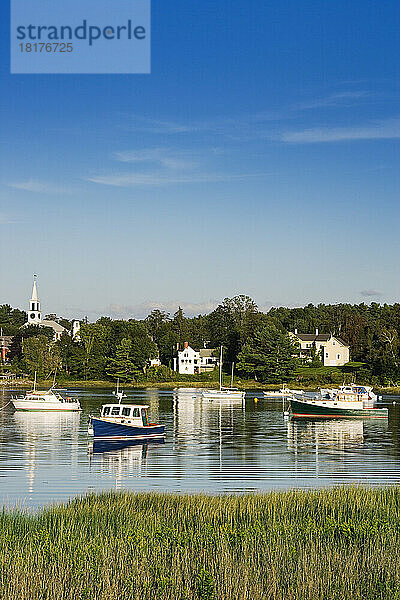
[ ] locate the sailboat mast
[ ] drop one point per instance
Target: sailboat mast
(220, 369)
(233, 368)
(34, 383)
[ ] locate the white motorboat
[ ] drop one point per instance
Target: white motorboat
(228, 393)
(50, 400)
(273, 394)
(289, 392)
(349, 401)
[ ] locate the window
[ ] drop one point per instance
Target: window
(106, 411)
(334, 343)
(115, 410)
(144, 417)
(326, 355)
(135, 412)
(338, 356)
(126, 411)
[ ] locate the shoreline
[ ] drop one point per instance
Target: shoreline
(170, 385)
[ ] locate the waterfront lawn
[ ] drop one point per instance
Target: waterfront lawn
(338, 544)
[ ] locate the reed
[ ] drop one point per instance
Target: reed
(333, 544)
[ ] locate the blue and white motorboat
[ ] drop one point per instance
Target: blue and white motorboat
(124, 422)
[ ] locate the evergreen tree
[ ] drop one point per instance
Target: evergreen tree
(122, 365)
(269, 356)
(180, 327)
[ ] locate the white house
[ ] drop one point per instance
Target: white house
(35, 318)
(154, 362)
(334, 351)
(190, 361)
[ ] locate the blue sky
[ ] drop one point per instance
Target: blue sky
(261, 156)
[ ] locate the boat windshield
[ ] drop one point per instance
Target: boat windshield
(144, 417)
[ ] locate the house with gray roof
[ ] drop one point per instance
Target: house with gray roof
(333, 350)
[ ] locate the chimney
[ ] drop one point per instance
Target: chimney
(186, 345)
(316, 331)
(295, 331)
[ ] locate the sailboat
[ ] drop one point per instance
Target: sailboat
(230, 393)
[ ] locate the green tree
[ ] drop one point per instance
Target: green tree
(233, 323)
(40, 355)
(72, 356)
(11, 319)
(94, 341)
(122, 365)
(269, 356)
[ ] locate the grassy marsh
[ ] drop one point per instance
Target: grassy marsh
(331, 544)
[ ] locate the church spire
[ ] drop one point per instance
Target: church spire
(34, 290)
(34, 314)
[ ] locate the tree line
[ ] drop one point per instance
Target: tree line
(257, 342)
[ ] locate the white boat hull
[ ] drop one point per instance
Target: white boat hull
(45, 405)
(222, 395)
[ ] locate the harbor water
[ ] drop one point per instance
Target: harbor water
(210, 446)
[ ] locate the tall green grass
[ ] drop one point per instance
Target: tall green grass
(336, 544)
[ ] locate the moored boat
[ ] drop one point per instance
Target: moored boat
(50, 400)
(349, 401)
(124, 422)
(224, 393)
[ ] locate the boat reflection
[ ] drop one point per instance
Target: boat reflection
(341, 434)
(120, 458)
(102, 446)
(34, 425)
(194, 415)
(42, 434)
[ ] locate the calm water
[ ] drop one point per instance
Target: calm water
(208, 447)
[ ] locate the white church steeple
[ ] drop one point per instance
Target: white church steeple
(34, 314)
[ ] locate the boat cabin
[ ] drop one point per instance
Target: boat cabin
(354, 393)
(132, 414)
(51, 395)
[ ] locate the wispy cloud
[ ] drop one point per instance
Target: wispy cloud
(43, 187)
(6, 219)
(247, 125)
(338, 99)
(228, 126)
(165, 157)
(389, 129)
(371, 293)
(160, 179)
